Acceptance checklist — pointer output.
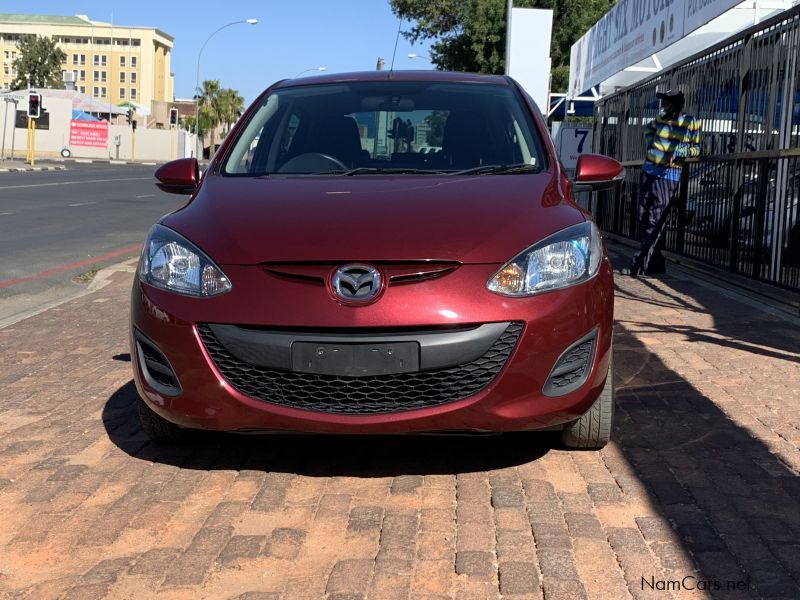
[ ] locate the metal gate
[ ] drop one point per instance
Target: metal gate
(738, 205)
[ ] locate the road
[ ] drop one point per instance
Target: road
(56, 225)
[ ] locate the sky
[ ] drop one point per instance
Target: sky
(291, 36)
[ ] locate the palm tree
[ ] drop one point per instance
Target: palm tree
(232, 106)
(208, 100)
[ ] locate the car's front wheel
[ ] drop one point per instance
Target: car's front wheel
(158, 429)
(593, 429)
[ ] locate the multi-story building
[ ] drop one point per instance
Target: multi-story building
(115, 63)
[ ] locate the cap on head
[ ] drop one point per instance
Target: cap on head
(674, 96)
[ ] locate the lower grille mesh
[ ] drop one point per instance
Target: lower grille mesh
(362, 395)
(572, 368)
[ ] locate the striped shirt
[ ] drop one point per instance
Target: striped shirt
(669, 143)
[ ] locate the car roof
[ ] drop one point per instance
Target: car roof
(429, 75)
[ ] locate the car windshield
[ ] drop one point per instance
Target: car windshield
(387, 127)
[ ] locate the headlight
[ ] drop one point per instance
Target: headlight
(171, 262)
(565, 258)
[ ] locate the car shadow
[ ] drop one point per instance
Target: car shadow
(325, 455)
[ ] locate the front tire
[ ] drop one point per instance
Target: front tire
(593, 429)
(159, 430)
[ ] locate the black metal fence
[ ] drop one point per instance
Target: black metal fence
(738, 206)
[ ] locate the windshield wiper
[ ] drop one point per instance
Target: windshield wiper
(384, 171)
(496, 169)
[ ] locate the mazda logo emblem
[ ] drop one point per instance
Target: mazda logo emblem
(356, 283)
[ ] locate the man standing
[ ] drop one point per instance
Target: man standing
(671, 138)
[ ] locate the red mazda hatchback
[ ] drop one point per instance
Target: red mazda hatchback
(378, 253)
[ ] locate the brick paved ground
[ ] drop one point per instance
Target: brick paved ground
(701, 480)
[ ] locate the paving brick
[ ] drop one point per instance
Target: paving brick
(285, 543)
(349, 576)
(365, 519)
(272, 494)
(192, 566)
(154, 562)
(518, 578)
(241, 547)
(475, 564)
(398, 537)
(406, 484)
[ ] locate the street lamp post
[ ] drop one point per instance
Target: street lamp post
(425, 56)
(197, 85)
(308, 70)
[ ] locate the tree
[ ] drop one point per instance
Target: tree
(38, 63)
(470, 35)
(231, 107)
(217, 106)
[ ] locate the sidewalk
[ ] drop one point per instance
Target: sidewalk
(17, 165)
(699, 488)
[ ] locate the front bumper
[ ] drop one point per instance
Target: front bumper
(515, 398)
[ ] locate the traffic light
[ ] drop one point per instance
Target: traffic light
(173, 117)
(133, 124)
(34, 105)
(128, 117)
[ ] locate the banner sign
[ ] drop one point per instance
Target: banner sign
(633, 30)
(88, 133)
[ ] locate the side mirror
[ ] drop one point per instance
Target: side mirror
(179, 176)
(595, 172)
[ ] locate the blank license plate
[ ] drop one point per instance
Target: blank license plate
(355, 360)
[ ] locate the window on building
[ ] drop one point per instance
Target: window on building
(5, 70)
(83, 75)
(82, 89)
(133, 77)
(74, 59)
(95, 91)
(102, 92)
(74, 76)
(66, 40)
(83, 59)
(133, 61)
(6, 54)
(102, 75)
(96, 76)
(14, 55)
(122, 93)
(96, 60)
(64, 59)
(136, 42)
(121, 61)
(133, 93)
(103, 60)
(122, 77)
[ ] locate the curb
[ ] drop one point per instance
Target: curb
(19, 169)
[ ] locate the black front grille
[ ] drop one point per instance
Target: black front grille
(572, 367)
(362, 395)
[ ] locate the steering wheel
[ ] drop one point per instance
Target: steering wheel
(312, 162)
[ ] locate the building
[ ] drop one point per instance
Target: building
(115, 63)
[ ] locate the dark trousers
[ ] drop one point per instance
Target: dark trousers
(655, 195)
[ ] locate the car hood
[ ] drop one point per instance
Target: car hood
(372, 218)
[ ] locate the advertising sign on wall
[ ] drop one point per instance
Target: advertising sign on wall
(633, 30)
(88, 133)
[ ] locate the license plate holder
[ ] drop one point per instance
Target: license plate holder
(355, 359)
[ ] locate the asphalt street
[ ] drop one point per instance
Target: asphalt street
(57, 225)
